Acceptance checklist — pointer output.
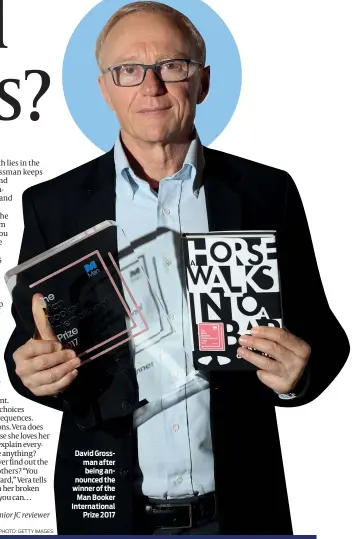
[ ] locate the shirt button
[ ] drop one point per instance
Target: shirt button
(166, 211)
(172, 316)
(176, 428)
(167, 261)
(179, 480)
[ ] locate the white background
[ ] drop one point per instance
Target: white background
(294, 113)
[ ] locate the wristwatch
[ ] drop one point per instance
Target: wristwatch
(286, 395)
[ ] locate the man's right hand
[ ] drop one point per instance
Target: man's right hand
(42, 365)
(44, 368)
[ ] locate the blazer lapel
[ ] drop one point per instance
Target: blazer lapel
(97, 197)
(224, 204)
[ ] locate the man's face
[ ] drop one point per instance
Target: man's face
(147, 38)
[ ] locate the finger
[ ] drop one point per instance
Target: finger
(51, 377)
(272, 348)
(260, 361)
(59, 386)
(283, 337)
(43, 362)
(34, 348)
(41, 318)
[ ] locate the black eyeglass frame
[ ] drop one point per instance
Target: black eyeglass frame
(154, 67)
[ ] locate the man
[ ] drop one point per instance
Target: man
(212, 462)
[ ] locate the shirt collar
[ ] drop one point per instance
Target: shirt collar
(127, 180)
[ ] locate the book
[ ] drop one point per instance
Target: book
(232, 285)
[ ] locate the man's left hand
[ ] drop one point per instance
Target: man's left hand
(288, 356)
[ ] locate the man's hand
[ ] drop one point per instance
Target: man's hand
(288, 356)
(43, 366)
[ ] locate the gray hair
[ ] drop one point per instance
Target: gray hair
(179, 19)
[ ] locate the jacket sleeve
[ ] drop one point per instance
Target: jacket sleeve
(306, 312)
(103, 390)
(33, 243)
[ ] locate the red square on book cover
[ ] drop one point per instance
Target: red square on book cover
(211, 336)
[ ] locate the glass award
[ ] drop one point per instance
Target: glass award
(99, 300)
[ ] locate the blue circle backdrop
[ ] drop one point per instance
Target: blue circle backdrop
(80, 73)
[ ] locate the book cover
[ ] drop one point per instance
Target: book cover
(232, 282)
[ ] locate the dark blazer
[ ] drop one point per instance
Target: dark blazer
(250, 484)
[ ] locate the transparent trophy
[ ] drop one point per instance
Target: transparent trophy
(100, 298)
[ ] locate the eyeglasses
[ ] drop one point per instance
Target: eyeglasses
(172, 70)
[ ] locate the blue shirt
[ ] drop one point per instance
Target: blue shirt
(173, 431)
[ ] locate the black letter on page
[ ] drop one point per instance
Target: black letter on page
(2, 46)
(10, 100)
